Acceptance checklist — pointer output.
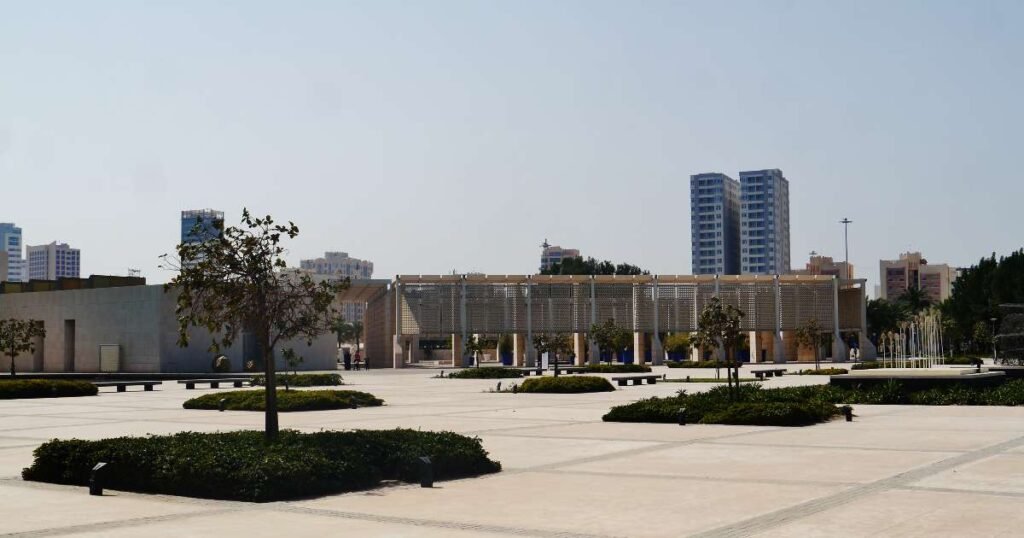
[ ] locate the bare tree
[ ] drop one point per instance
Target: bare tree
(237, 281)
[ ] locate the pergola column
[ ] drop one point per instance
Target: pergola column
(595, 351)
(839, 350)
(657, 351)
(578, 347)
(779, 349)
(518, 349)
(457, 350)
(639, 347)
(397, 349)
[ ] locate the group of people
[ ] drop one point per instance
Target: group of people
(347, 360)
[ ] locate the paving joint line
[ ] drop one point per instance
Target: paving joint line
(418, 522)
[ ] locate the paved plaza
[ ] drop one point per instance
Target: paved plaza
(894, 471)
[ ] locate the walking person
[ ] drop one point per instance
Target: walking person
(346, 357)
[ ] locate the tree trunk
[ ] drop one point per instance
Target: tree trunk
(270, 415)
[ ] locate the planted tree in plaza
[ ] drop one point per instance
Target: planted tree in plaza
(348, 332)
(236, 282)
(813, 336)
(554, 343)
(475, 346)
(18, 336)
(718, 327)
(610, 337)
(678, 343)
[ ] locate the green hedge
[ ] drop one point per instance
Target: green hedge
(242, 466)
(488, 372)
(302, 380)
(817, 402)
(566, 384)
(792, 406)
(824, 371)
(867, 365)
(287, 400)
(698, 364)
(617, 368)
(45, 388)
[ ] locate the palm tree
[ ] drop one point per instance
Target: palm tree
(347, 332)
(915, 299)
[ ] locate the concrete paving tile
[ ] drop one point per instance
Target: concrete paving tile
(48, 508)
(578, 503)
(911, 514)
(636, 432)
(439, 423)
(14, 459)
(525, 452)
(13, 424)
(765, 463)
(1000, 473)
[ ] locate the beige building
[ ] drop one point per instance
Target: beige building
(912, 270)
(340, 265)
(824, 265)
(553, 254)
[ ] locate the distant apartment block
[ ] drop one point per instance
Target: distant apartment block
(552, 254)
(210, 223)
(3, 265)
(10, 242)
(715, 224)
(53, 261)
(911, 270)
(340, 265)
(823, 265)
(764, 222)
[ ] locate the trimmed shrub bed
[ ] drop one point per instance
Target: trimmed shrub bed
(302, 380)
(867, 365)
(755, 406)
(487, 372)
(824, 371)
(566, 384)
(806, 405)
(44, 388)
(287, 400)
(242, 466)
(617, 368)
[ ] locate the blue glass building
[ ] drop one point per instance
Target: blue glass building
(764, 222)
(714, 224)
(211, 224)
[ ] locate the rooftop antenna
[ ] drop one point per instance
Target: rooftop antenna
(545, 244)
(134, 272)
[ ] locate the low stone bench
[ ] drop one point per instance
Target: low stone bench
(622, 381)
(122, 386)
(215, 383)
(761, 374)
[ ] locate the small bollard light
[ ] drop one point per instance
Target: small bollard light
(848, 411)
(96, 479)
(515, 388)
(687, 379)
(664, 377)
(442, 373)
(222, 404)
(498, 389)
(681, 416)
(426, 472)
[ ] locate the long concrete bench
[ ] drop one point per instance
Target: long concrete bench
(761, 374)
(122, 386)
(215, 383)
(636, 379)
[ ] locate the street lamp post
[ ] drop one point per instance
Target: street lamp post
(846, 243)
(993, 320)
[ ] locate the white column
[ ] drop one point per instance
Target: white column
(839, 351)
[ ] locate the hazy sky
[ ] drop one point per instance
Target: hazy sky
(432, 136)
